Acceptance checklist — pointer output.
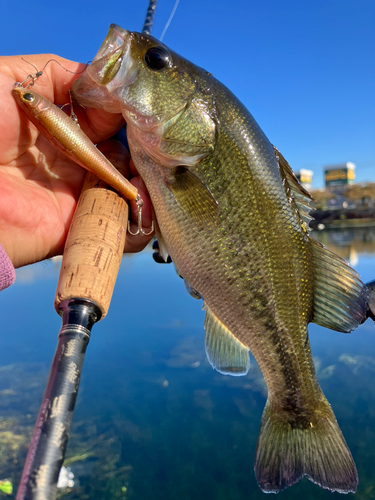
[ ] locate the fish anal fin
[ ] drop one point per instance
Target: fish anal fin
(285, 453)
(224, 351)
(194, 197)
(340, 297)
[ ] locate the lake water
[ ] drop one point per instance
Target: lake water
(153, 420)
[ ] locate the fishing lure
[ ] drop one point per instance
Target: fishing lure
(68, 137)
(65, 133)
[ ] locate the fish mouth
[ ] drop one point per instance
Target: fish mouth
(111, 70)
(109, 60)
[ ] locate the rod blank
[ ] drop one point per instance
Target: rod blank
(48, 444)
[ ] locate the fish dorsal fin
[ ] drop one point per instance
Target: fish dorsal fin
(299, 198)
(225, 353)
(340, 300)
(194, 197)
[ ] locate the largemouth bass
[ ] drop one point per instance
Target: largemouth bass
(234, 219)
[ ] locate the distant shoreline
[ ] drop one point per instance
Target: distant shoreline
(343, 218)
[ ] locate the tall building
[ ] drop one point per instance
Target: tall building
(305, 177)
(337, 177)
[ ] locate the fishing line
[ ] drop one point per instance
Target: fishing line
(37, 73)
(169, 20)
(33, 65)
(68, 70)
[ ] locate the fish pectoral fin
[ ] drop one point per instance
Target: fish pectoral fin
(340, 297)
(191, 132)
(224, 351)
(194, 197)
(299, 198)
(290, 447)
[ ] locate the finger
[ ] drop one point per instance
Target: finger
(55, 83)
(117, 154)
(147, 206)
(57, 77)
(138, 242)
(98, 124)
(133, 170)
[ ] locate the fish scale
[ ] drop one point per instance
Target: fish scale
(234, 219)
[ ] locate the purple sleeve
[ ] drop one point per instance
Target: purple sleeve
(7, 272)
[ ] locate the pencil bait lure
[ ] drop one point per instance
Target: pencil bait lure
(68, 137)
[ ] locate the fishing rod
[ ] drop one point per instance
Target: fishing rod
(89, 268)
(91, 261)
(149, 20)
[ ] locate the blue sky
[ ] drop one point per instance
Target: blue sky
(305, 70)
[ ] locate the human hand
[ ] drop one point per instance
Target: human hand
(39, 185)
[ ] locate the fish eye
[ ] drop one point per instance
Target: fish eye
(157, 58)
(28, 96)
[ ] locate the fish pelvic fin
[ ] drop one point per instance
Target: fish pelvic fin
(312, 447)
(224, 351)
(341, 299)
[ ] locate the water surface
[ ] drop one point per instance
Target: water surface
(153, 420)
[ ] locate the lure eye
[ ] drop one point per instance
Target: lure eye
(157, 58)
(28, 96)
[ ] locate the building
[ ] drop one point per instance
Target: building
(305, 177)
(337, 177)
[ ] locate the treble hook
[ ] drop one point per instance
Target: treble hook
(30, 80)
(139, 203)
(73, 116)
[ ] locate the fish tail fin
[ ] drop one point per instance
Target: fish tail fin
(312, 447)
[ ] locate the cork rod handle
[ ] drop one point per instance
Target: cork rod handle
(94, 246)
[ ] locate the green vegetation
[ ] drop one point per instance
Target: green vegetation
(361, 194)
